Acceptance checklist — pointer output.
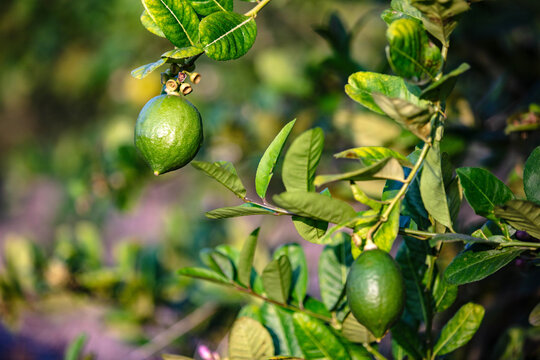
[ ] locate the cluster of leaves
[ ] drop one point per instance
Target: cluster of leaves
(421, 200)
(195, 27)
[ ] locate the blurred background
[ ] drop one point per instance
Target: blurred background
(90, 240)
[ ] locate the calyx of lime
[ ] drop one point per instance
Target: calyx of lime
(376, 291)
(168, 132)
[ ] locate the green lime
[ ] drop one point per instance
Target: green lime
(168, 132)
(375, 291)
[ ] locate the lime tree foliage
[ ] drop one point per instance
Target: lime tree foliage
(420, 201)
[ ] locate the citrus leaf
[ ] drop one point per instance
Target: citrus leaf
(204, 274)
(470, 266)
(483, 190)
(297, 258)
(224, 173)
(315, 206)
(459, 329)
(444, 294)
(150, 24)
(74, 350)
(310, 229)
(413, 268)
(413, 117)
(249, 340)
(531, 176)
(145, 70)
(268, 161)
(534, 316)
(440, 16)
(461, 237)
(174, 357)
(405, 7)
(316, 340)
(440, 89)
(386, 234)
(369, 155)
(227, 35)
(521, 215)
(235, 211)
(277, 279)
(316, 306)
(207, 7)
(218, 262)
(355, 332)
(387, 168)
(182, 53)
(302, 159)
(432, 187)
(334, 263)
(410, 53)
(176, 19)
(356, 351)
(245, 260)
(280, 323)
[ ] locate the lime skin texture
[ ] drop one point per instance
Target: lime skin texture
(376, 291)
(168, 132)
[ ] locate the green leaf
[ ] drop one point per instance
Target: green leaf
(408, 339)
(470, 266)
(218, 262)
(388, 168)
(280, 323)
(297, 258)
(444, 294)
(521, 215)
(410, 53)
(531, 176)
(245, 261)
(362, 85)
(75, 348)
(150, 25)
(265, 170)
(182, 53)
(252, 311)
(177, 20)
(143, 71)
(355, 332)
(386, 233)
(302, 159)
(432, 187)
(227, 35)
(534, 316)
(317, 206)
(277, 279)
(483, 190)
(224, 173)
(204, 274)
(461, 238)
(413, 268)
(405, 7)
(459, 329)
(334, 263)
(240, 210)
(413, 117)
(207, 7)
(369, 155)
(249, 340)
(310, 229)
(316, 340)
(440, 89)
(174, 357)
(440, 16)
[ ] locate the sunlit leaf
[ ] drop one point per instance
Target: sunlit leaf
(531, 176)
(444, 294)
(182, 53)
(280, 323)
(245, 261)
(534, 316)
(143, 71)
(440, 89)
(218, 262)
(227, 35)
(265, 170)
(204, 274)
(74, 350)
(355, 332)
(150, 25)
(369, 155)
(177, 20)
(224, 173)
(521, 215)
(387, 232)
(249, 340)
(388, 168)
(316, 340)
(207, 7)
(297, 258)
(240, 210)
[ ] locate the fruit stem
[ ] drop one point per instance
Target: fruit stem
(377, 355)
(419, 234)
(253, 12)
